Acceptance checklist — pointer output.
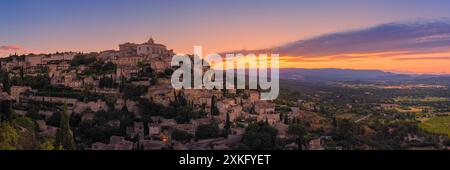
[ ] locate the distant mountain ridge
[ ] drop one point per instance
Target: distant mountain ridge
(334, 74)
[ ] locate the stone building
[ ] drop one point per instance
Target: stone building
(17, 90)
(152, 49)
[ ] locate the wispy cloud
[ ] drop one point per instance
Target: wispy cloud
(421, 46)
(411, 36)
(378, 41)
(422, 58)
(10, 49)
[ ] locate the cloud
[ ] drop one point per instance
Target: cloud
(422, 58)
(10, 49)
(384, 40)
(413, 47)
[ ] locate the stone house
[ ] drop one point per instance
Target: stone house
(154, 129)
(264, 107)
(162, 94)
(17, 90)
(139, 130)
(151, 144)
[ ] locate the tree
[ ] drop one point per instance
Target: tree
(168, 72)
(88, 132)
(22, 73)
(227, 126)
(87, 87)
(106, 82)
(180, 135)
(259, 136)
(64, 136)
(82, 59)
(141, 67)
(6, 110)
(184, 114)
(131, 91)
(299, 132)
(153, 80)
(122, 83)
(46, 144)
(33, 114)
(346, 133)
(207, 131)
(6, 83)
(214, 109)
(54, 119)
(286, 119)
(8, 137)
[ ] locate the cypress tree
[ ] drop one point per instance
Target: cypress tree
(6, 110)
(64, 136)
(286, 119)
(214, 109)
(6, 83)
(227, 126)
(21, 73)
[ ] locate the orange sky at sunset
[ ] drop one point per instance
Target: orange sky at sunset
(398, 36)
(430, 63)
(394, 61)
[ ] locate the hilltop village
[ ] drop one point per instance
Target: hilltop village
(123, 99)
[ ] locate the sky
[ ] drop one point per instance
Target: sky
(47, 26)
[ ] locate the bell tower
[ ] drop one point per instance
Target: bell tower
(150, 41)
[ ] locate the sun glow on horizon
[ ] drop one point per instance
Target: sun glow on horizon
(394, 61)
(409, 62)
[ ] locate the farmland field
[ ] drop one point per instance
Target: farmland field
(408, 109)
(437, 125)
(426, 99)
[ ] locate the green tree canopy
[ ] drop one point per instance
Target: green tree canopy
(64, 136)
(299, 132)
(207, 131)
(259, 136)
(8, 137)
